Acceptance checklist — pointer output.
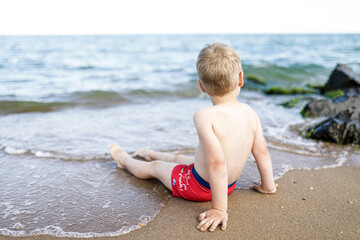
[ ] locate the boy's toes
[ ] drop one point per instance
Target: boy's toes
(118, 154)
(145, 154)
(114, 146)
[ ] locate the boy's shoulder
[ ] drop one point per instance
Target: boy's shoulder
(206, 112)
(203, 114)
(202, 111)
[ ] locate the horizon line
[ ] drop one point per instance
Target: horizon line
(128, 34)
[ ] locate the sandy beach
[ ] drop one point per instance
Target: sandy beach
(316, 204)
(65, 99)
(309, 204)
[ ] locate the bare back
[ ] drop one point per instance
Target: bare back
(234, 126)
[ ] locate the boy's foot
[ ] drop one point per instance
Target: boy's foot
(145, 154)
(260, 189)
(119, 155)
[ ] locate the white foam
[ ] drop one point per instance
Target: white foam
(53, 154)
(107, 204)
(10, 210)
(15, 151)
(12, 233)
(28, 203)
(7, 210)
(17, 226)
(57, 231)
(41, 154)
(339, 162)
(145, 218)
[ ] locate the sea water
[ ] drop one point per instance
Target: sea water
(65, 99)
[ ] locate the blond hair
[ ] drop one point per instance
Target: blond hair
(218, 67)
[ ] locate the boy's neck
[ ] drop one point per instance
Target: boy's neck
(230, 97)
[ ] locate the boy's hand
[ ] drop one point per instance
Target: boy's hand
(261, 189)
(213, 218)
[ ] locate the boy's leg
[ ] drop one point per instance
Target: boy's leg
(167, 157)
(144, 170)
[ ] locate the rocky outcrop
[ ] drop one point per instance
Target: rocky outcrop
(328, 108)
(343, 128)
(343, 77)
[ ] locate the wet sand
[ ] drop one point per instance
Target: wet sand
(309, 204)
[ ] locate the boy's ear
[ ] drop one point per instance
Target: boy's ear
(241, 79)
(201, 87)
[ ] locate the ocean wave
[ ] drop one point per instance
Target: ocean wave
(54, 154)
(179, 92)
(18, 106)
(88, 67)
(85, 68)
(91, 98)
(96, 99)
(291, 75)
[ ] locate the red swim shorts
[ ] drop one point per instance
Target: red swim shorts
(187, 183)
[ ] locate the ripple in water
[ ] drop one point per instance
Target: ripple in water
(73, 198)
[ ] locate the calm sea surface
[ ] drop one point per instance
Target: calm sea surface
(65, 99)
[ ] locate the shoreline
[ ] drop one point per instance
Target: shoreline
(309, 204)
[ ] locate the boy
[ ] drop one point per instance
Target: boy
(228, 131)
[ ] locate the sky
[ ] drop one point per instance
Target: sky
(54, 17)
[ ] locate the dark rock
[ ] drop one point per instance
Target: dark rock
(328, 108)
(342, 77)
(343, 128)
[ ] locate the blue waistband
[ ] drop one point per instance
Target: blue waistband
(202, 181)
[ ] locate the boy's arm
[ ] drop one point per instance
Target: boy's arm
(263, 162)
(217, 172)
